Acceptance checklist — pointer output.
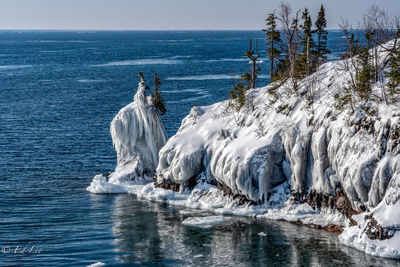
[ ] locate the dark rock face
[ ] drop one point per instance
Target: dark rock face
(166, 184)
(192, 182)
(171, 185)
(329, 228)
(376, 231)
(339, 202)
(241, 200)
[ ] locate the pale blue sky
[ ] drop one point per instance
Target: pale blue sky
(167, 14)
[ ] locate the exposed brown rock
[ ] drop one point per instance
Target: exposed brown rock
(166, 184)
(333, 228)
(329, 228)
(339, 201)
(375, 230)
(171, 185)
(241, 200)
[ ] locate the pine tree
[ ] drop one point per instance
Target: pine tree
(291, 37)
(247, 78)
(295, 51)
(156, 97)
(143, 80)
(393, 74)
(369, 37)
(253, 56)
(322, 36)
(364, 74)
(352, 47)
(308, 44)
(273, 43)
(238, 95)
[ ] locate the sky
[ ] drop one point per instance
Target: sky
(169, 14)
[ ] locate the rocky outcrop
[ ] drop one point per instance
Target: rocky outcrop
(138, 135)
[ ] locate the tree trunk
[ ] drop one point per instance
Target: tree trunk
(272, 57)
(253, 74)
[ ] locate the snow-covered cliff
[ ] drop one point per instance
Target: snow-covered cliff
(138, 135)
(316, 148)
(325, 156)
(288, 154)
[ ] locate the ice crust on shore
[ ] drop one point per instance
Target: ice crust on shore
(281, 144)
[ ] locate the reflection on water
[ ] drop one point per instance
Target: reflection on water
(153, 233)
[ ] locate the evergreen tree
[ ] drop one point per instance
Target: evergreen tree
(393, 74)
(247, 78)
(308, 44)
(364, 74)
(141, 76)
(238, 95)
(370, 38)
(291, 44)
(143, 80)
(253, 56)
(273, 42)
(352, 47)
(322, 36)
(294, 51)
(156, 97)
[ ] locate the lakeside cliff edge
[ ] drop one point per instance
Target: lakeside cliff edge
(287, 154)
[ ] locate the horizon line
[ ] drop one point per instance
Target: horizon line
(132, 30)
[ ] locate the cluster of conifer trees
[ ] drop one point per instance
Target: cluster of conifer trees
(371, 57)
(155, 97)
(292, 50)
(296, 46)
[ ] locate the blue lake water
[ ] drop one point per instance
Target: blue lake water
(58, 94)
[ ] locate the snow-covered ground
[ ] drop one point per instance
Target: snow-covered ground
(284, 143)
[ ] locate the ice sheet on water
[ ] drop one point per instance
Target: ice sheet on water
(205, 222)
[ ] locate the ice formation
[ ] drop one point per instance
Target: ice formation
(318, 149)
(290, 158)
(205, 222)
(137, 134)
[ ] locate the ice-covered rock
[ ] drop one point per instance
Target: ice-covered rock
(292, 153)
(137, 134)
(253, 151)
(282, 137)
(382, 222)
